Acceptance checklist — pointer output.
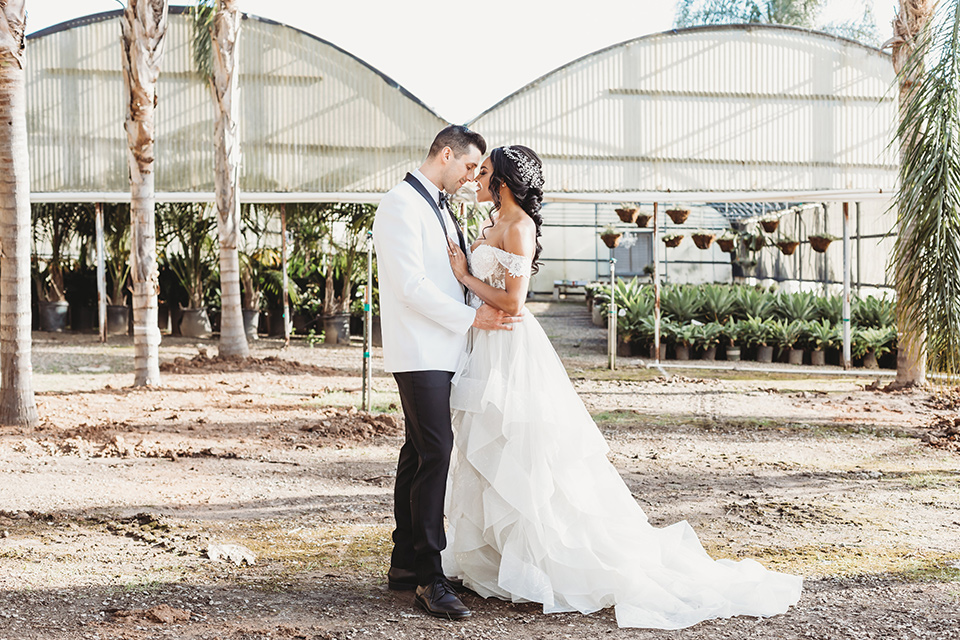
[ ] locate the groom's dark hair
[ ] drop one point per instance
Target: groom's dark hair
(459, 139)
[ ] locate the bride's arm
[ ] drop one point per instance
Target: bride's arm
(511, 299)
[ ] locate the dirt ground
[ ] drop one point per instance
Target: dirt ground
(111, 509)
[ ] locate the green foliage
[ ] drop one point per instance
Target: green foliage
(185, 233)
(708, 335)
(680, 302)
(873, 339)
(753, 302)
(754, 331)
(685, 334)
(873, 312)
(829, 308)
(798, 13)
(718, 302)
(732, 332)
(202, 17)
(822, 334)
(926, 257)
(795, 306)
(785, 333)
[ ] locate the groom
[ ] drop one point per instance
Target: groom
(425, 324)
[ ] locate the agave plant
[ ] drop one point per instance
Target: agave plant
(708, 335)
(754, 331)
(822, 334)
(873, 312)
(680, 302)
(785, 333)
(830, 308)
(796, 306)
(753, 302)
(685, 334)
(876, 340)
(732, 332)
(718, 303)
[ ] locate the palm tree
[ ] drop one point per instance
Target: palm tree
(17, 404)
(926, 256)
(216, 34)
(143, 25)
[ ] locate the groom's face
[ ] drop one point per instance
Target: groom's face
(459, 169)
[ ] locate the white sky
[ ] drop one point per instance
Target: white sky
(460, 58)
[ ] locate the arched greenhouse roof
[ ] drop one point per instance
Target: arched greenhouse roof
(748, 111)
(314, 119)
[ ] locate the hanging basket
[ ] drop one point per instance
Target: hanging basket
(679, 216)
(788, 247)
(703, 240)
(820, 243)
(726, 244)
(672, 241)
(643, 219)
(612, 240)
(627, 215)
(757, 242)
(770, 225)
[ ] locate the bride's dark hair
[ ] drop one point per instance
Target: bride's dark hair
(524, 185)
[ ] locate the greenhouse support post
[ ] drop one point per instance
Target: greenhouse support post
(283, 267)
(656, 288)
(101, 273)
(846, 285)
(612, 315)
(368, 326)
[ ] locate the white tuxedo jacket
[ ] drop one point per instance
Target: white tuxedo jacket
(424, 320)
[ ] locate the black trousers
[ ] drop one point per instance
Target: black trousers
(422, 473)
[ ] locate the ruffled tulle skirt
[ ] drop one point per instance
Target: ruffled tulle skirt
(536, 512)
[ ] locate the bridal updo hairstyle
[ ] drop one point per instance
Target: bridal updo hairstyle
(526, 189)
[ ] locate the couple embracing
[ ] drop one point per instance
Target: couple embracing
(497, 440)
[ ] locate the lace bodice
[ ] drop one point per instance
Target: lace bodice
(492, 265)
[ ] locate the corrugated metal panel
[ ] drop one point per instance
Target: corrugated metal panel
(720, 108)
(313, 118)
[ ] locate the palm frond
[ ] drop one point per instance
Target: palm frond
(203, 14)
(926, 257)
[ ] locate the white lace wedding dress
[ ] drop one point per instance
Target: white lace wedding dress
(536, 512)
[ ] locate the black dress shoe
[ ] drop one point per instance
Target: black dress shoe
(441, 601)
(401, 579)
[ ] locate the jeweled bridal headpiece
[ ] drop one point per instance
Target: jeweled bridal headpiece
(529, 170)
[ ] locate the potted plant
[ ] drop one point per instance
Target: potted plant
(727, 242)
(754, 242)
(755, 332)
(703, 239)
(186, 230)
(707, 337)
(628, 212)
(54, 227)
(673, 239)
(871, 343)
(643, 219)
(610, 236)
(786, 333)
(679, 216)
(731, 331)
(116, 232)
(787, 245)
(681, 303)
(821, 335)
(684, 336)
(820, 241)
(770, 223)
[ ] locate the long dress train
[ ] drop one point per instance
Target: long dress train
(536, 512)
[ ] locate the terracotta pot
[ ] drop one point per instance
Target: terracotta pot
(788, 248)
(612, 240)
(726, 244)
(819, 243)
(643, 219)
(672, 241)
(818, 357)
(679, 216)
(770, 225)
(628, 215)
(703, 240)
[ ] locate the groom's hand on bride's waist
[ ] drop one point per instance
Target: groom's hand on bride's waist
(491, 319)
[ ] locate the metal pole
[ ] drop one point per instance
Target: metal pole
(596, 247)
(612, 315)
(858, 249)
(846, 285)
(368, 326)
(283, 266)
(101, 273)
(656, 288)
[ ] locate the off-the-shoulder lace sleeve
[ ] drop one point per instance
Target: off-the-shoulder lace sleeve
(517, 266)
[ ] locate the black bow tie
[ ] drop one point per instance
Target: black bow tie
(443, 200)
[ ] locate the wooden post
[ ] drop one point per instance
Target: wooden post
(846, 286)
(101, 273)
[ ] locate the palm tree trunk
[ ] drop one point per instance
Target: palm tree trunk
(144, 25)
(911, 352)
(17, 404)
(226, 32)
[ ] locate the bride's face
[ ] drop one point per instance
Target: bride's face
(483, 181)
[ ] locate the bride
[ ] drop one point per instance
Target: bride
(535, 511)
